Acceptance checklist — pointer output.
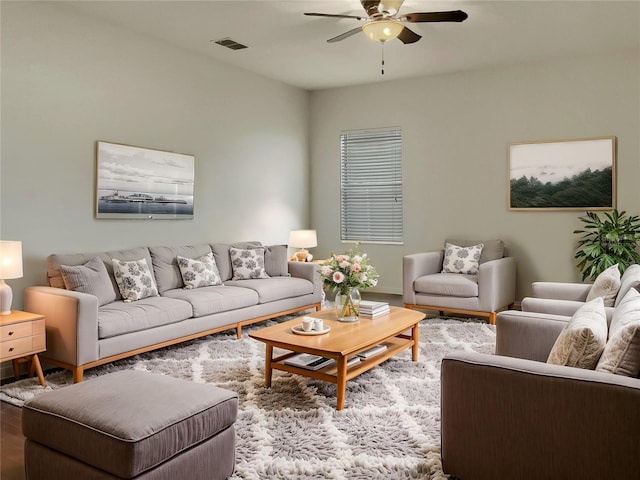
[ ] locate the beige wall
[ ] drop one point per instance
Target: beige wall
(69, 80)
(456, 129)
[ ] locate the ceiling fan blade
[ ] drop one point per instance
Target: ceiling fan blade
(345, 35)
(452, 16)
(334, 15)
(408, 36)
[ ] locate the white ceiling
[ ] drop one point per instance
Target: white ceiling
(290, 47)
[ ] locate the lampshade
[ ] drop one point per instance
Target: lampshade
(303, 239)
(10, 259)
(382, 30)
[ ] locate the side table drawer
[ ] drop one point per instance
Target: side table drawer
(16, 348)
(16, 330)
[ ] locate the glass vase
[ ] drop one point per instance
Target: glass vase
(347, 304)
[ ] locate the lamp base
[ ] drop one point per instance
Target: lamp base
(6, 297)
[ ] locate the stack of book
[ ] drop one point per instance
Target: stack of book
(373, 309)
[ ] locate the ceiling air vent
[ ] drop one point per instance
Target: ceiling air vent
(232, 44)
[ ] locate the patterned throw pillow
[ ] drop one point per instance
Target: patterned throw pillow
(582, 340)
(622, 352)
(461, 259)
(199, 272)
(247, 264)
(606, 286)
(134, 279)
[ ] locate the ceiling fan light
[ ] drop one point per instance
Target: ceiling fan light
(383, 30)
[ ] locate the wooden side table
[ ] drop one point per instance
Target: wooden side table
(22, 337)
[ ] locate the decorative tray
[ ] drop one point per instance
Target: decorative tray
(298, 330)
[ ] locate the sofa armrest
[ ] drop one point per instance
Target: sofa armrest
(527, 335)
(71, 320)
(308, 271)
(501, 416)
(497, 283)
(561, 290)
(415, 266)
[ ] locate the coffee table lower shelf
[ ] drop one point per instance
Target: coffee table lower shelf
(331, 373)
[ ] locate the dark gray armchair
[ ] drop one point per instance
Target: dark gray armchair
(513, 416)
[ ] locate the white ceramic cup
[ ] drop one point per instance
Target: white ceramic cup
(307, 324)
(318, 324)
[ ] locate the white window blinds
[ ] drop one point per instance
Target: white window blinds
(371, 186)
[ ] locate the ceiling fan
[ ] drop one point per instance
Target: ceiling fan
(383, 23)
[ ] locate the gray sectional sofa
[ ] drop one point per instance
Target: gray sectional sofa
(83, 333)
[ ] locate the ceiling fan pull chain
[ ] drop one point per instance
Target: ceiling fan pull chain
(382, 57)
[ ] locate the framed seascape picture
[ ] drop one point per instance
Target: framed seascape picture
(563, 174)
(141, 183)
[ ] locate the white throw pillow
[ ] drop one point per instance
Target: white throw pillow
(199, 272)
(606, 286)
(582, 340)
(461, 259)
(247, 264)
(134, 279)
(622, 352)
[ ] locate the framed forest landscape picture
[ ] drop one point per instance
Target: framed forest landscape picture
(141, 183)
(563, 174)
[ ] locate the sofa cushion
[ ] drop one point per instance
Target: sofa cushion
(622, 352)
(276, 288)
(54, 275)
(223, 259)
(582, 340)
(92, 278)
(459, 259)
(165, 263)
(630, 279)
(247, 263)
(118, 318)
(276, 260)
(199, 272)
(492, 250)
(209, 300)
(607, 285)
(449, 284)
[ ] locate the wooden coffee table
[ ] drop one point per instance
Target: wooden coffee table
(342, 342)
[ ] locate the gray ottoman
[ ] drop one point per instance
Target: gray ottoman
(131, 424)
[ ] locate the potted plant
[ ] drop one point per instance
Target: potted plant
(607, 240)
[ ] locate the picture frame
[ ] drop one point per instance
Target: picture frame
(577, 174)
(143, 183)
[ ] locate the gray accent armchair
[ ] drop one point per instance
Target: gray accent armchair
(491, 290)
(521, 418)
(565, 298)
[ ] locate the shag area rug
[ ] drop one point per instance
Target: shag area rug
(389, 428)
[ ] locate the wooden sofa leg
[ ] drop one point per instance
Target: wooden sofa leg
(239, 331)
(78, 373)
(492, 318)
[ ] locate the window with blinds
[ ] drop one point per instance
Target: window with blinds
(371, 186)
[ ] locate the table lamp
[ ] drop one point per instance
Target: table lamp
(303, 239)
(10, 267)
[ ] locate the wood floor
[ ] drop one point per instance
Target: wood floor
(12, 440)
(11, 443)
